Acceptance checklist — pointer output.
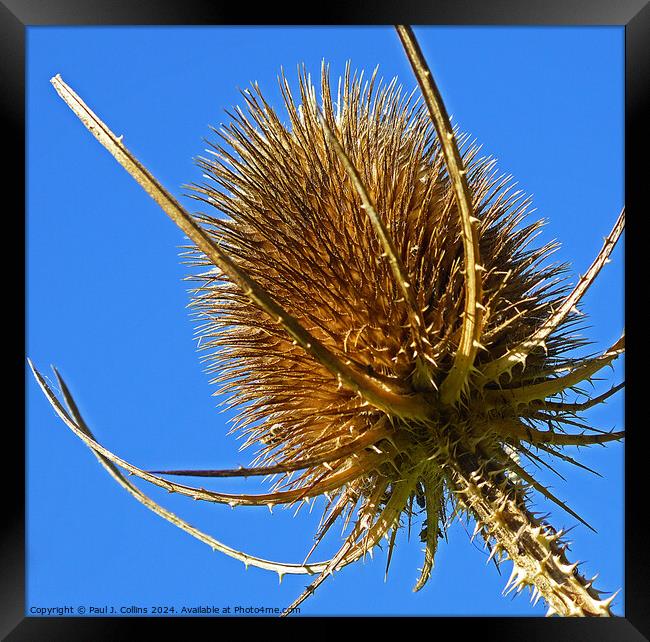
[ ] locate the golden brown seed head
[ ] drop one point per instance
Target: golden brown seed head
(297, 226)
(393, 347)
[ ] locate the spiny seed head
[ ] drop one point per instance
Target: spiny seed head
(297, 226)
(378, 313)
(300, 226)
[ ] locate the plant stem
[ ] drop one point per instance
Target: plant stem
(499, 507)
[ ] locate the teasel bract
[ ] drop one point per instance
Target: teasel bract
(374, 305)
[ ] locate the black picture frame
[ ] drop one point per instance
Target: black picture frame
(17, 15)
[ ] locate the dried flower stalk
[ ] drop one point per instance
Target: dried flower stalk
(370, 288)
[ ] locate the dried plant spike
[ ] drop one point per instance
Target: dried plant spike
(363, 279)
(434, 495)
(551, 437)
(473, 315)
(367, 440)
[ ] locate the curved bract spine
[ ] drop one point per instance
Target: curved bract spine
(517, 355)
(248, 560)
(336, 479)
(433, 501)
(540, 391)
(463, 365)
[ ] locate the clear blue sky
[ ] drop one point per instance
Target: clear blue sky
(107, 303)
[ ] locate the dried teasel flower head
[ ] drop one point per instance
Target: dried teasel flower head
(376, 308)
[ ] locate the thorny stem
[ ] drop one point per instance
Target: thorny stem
(533, 546)
(462, 367)
(374, 392)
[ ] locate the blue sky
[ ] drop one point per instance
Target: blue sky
(106, 302)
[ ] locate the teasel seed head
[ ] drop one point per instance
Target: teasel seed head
(376, 307)
(298, 223)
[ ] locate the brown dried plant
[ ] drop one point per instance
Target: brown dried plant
(375, 309)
